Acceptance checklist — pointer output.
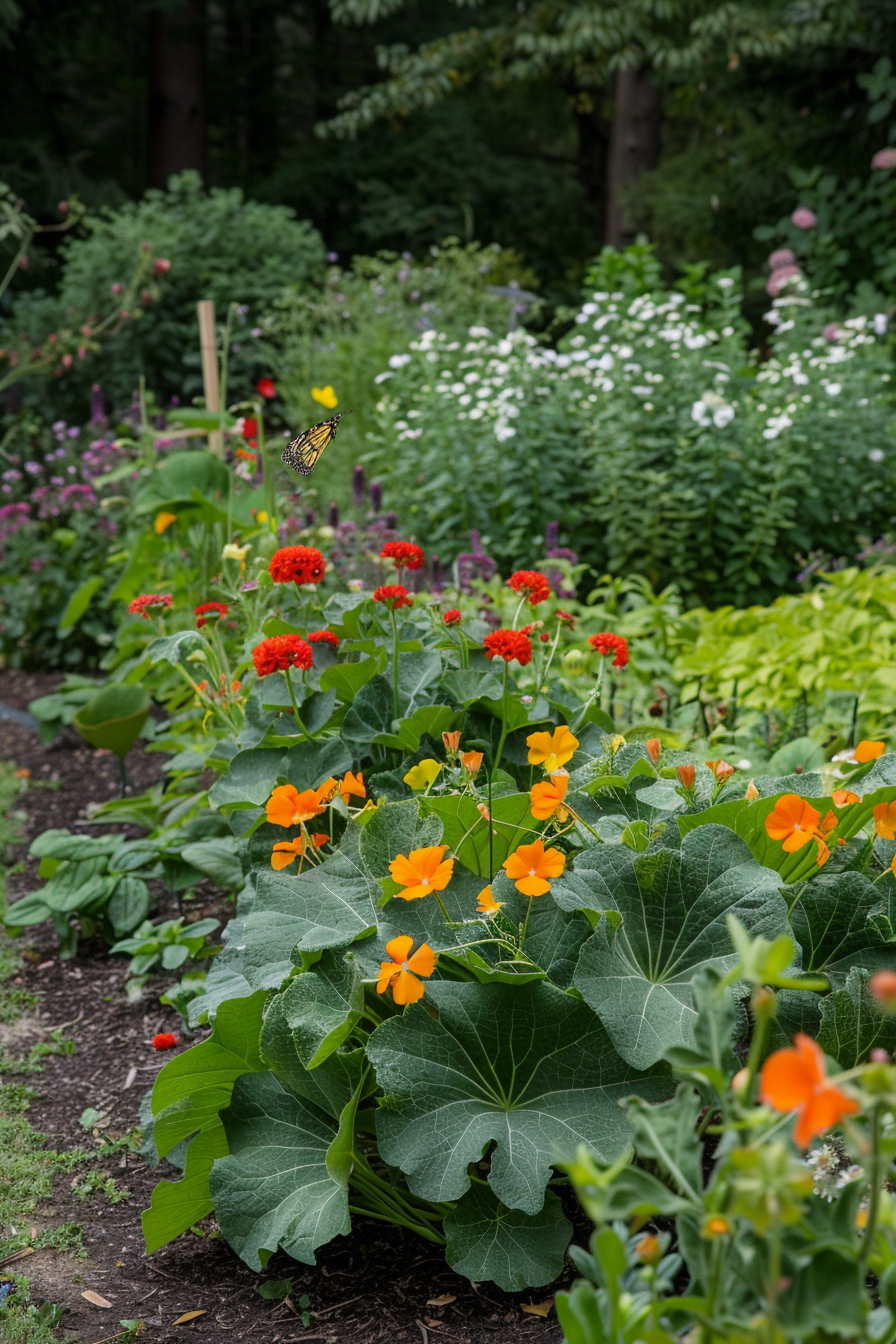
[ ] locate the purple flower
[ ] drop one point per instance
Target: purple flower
(779, 278)
(332, 257)
(333, 515)
(390, 520)
(310, 517)
(33, 468)
(804, 218)
(256, 332)
(74, 431)
(830, 331)
(376, 495)
(474, 564)
(551, 537)
(358, 486)
(884, 158)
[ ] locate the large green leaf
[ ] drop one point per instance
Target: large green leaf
(515, 1250)
(320, 1008)
(528, 1068)
(467, 831)
(842, 920)
(636, 971)
(175, 648)
(275, 1188)
(430, 719)
(217, 859)
(346, 679)
(748, 819)
(192, 1088)
(176, 1205)
(253, 774)
(469, 685)
(853, 1023)
(79, 602)
(371, 712)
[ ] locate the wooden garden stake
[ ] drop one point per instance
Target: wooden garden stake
(208, 346)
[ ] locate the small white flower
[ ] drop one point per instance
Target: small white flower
(833, 389)
(876, 455)
(398, 361)
(880, 324)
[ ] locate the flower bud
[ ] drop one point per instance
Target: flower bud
(654, 748)
(883, 986)
(686, 776)
(451, 741)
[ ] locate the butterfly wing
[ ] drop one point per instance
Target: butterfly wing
(304, 453)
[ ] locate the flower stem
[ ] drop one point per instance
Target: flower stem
(295, 709)
(525, 928)
(875, 1179)
(503, 737)
(595, 695)
(395, 700)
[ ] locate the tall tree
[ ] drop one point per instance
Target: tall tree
(177, 109)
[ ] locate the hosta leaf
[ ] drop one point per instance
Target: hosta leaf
(748, 819)
(636, 972)
(853, 1023)
(218, 860)
(834, 923)
(515, 1250)
(129, 904)
(274, 1189)
(396, 828)
(467, 832)
(321, 1007)
(525, 1067)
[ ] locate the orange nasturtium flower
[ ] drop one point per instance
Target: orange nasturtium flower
(843, 798)
(402, 971)
(793, 821)
(868, 751)
(286, 852)
(486, 903)
(451, 741)
(421, 872)
(885, 820)
(472, 762)
(721, 769)
(352, 786)
(552, 749)
(796, 1080)
(546, 800)
(288, 807)
(530, 867)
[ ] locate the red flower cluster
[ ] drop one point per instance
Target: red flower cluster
(531, 582)
(509, 645)
(566, 618)
(164, 1041)
(323, 637)
(250, 427)
(452, 617)
(404, 553)
(297, 564)
(141, 605)
(394, 595)
(265, 387)
(280, 652)
(206, 610)
(605, 644)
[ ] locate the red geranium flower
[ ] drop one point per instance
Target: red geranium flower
(141, 605)
(280, 652)
(250, 427)
(265, 388)
(452, 617)
(206, 610)
(605, 644)
(164, 1041)
(531, 582)
(509, 645)
(394, 595)
(323, 637)
(297, 564)
(566, 618)
(404, 553)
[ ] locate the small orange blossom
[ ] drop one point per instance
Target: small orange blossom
(421, 872)
(530, 867)
(546, 800)
(402, 970)
(796, 1080)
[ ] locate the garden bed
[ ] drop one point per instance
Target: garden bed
(377, 1284)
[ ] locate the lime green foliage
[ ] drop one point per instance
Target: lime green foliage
(113, 718)
(838, 637)
(654, 436)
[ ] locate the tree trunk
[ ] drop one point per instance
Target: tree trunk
(634, 145)
(177, 118)
(592, 149)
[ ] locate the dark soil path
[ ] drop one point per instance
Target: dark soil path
(375, 1285)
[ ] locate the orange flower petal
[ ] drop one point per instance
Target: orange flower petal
(388, 970)
(423, 961)
(533, 886)
(406, 989)
(824, 1110)
(398, 948)
(885, 820)
(843, 798)
(282, 805)
(869, 751)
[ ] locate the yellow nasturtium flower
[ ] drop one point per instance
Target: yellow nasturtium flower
(421, 775)
(551, 750)
(163, 521)
(326, 396)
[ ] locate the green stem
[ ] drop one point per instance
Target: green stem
(875, 1179)
(395, 701)
(295, 709)
(502, 739)
(542, 680)
(595, 694)
(525, 928)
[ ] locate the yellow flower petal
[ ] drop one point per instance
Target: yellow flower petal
(421, 775)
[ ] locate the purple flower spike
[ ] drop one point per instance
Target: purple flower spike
(376, 495)
(333, 515)
(358, 486)
(97, 409)
(310, 517)
(391, 520)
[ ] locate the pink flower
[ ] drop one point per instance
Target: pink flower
(884, 158)
(830, 331)
(781, 257)
(803, 218)
(162, 265)
(778, 279)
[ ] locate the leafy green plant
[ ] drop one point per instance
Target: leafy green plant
(57, 710)
(167, 945)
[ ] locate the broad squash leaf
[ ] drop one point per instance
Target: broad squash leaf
(853, 1023)
(515, 1250)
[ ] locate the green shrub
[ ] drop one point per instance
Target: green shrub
(220, 247)
(653, 436)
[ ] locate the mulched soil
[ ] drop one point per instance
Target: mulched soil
(377, 1284)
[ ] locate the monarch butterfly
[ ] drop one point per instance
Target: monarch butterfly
(304, 453)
